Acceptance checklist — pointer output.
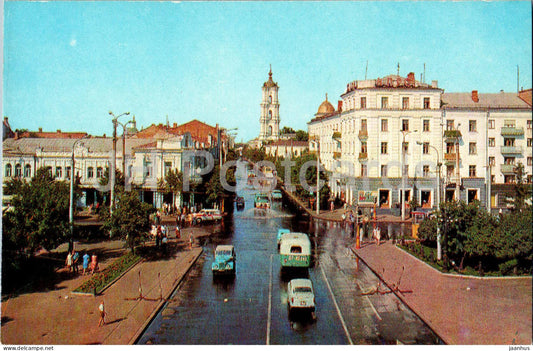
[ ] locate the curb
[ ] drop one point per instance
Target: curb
(156, 310)
(400, 296)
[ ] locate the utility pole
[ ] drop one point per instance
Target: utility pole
(114, 160)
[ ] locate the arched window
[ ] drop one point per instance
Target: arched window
(59, 172)
(8, 170)
(269, 130)
(270, 99)
(270, 113)
(27, 171)
(99, 172)
(90, 172)
(18, 170)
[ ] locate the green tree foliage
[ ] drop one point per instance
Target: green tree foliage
(214, 190)
(130, 220)
(40, 213)
(287, 130)
(302, 135)
(472, 236)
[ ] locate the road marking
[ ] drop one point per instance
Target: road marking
(337, 307)
(269, 303)
(369, 302)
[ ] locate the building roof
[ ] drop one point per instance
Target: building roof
(28, 146)
(325, 107)
(491, 100)
(199, 131)
(270, 83)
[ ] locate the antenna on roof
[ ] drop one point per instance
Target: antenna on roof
(366, 69)
(517, 78)
(398, 68)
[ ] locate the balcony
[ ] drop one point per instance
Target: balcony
(363, 156)
(363, 134)
(450, 156)
(512, 131)
(337, 155)
(452, 134)
(511, 150)
(507, 169)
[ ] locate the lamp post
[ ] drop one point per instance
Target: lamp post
(458, 174)
(439, 249)
(124, 149)
(114, 159)
(402, 192)
(71, 205)
(317, 142)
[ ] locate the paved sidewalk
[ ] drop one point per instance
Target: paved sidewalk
(59, 317)
(461, 310)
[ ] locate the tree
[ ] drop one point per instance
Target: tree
(520, 189)
(40, 213)
(302, 135)
(130, 220)
(287, 130)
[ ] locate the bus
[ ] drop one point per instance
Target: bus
(295, 250)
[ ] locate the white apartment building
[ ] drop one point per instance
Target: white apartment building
(384, 125)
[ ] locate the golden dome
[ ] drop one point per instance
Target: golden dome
(326, 107)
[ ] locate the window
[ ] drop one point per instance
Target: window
(405, 103)
(472, 126)
(99, 172)
(384, 102)
(425, 148)
(384, 148)
(168, 167)
(491, 124)
(492, 178)
(363, 125)
(383, 170)
(449, 124)
(363, 147)
(450, 148)
(67, 172)
(492, 142)
(472, 171)
(363, 102)
(510, 123)
(508, 160)
(472, 149)
(450, 170)
(18, 170)
(405, 147)
(426, 103)
(363, 171)
(8, 170)
(270, 99)
(530, 161)
(59, 172)
(425, 125)
(384, 125)
(90, 172)
(27, 171)
(529, 142)
(529, 124)
(425, 171)
(508, 141)
(405, 125)
(148, 169)
(509, 179)
(492, 161)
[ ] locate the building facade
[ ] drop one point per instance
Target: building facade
(388, 135)
(148, 157)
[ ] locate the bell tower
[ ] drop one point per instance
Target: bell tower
(269, 120)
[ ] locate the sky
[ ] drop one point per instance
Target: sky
(67, 64)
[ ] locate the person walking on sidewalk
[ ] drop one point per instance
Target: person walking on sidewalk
(191, 240)
(86, 258)
(75, 261)
(101, 309)
(68, 262)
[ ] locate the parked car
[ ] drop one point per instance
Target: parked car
(301, 295)
(206, 215)
(225, 260)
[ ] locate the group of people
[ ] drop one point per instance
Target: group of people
(89, 263)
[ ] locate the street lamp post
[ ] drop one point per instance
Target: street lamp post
(402, 192)
(124, 149)
(318, 177)
(439, 249)
(114, 159)
(71, 205)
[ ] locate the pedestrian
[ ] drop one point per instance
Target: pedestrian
(94, 263)
(183, 219)
(378, 235)
(191, 240)
(86, 258)
(68, 262)
(178, 234)
(103, 313)
(75, 261)
(164, 244)
(158, 236)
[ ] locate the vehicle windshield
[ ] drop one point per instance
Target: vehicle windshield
(223, 253)
(296, 249)
(303, 289)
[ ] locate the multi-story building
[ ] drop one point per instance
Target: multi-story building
(150, 154)
(386, 125)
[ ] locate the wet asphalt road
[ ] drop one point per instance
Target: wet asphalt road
(252, 307)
